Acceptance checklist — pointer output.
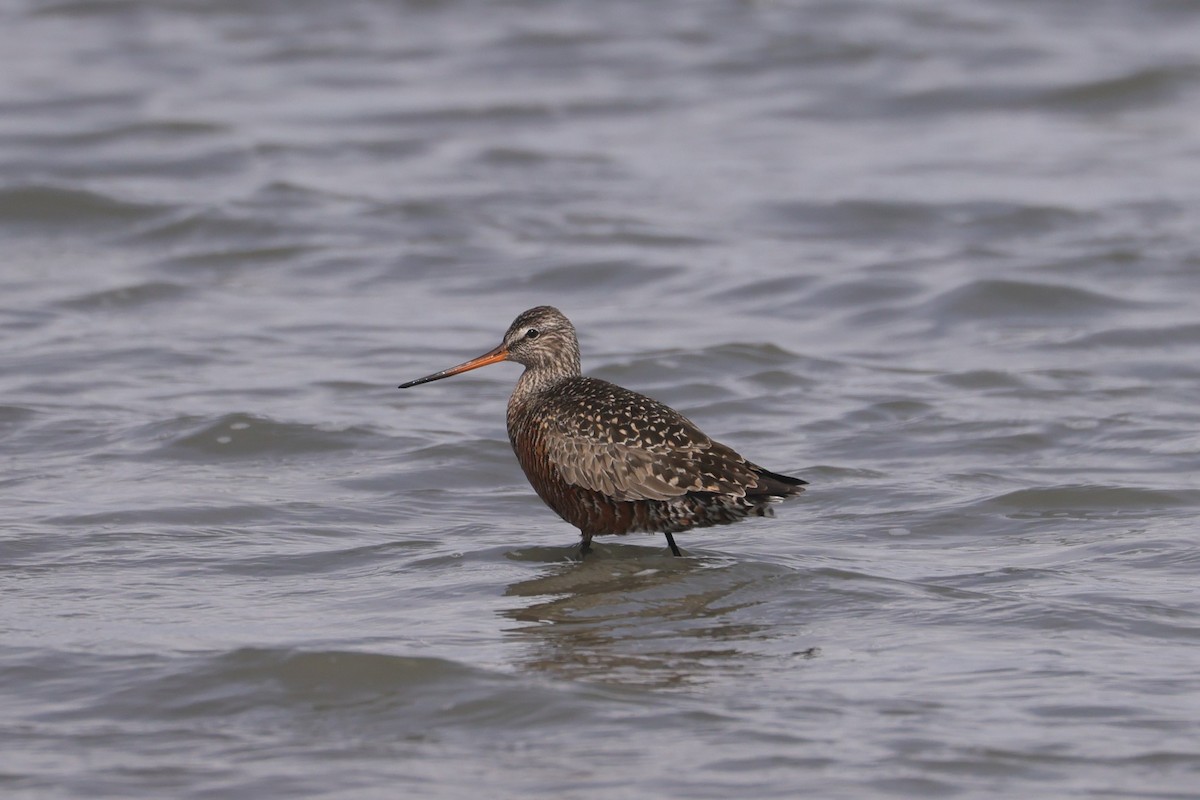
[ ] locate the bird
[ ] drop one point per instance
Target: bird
(609, 460)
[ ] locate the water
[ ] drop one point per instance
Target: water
(940, 260)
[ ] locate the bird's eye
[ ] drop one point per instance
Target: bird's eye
(532, 333)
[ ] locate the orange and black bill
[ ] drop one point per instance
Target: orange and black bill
(490, 357)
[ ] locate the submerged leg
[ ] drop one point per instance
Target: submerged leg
(585, 546)
(671, 541)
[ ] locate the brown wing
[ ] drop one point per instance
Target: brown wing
(625, 445)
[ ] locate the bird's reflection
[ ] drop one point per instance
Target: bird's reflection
(633, 614)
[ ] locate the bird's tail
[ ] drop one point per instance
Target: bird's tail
(772, 484)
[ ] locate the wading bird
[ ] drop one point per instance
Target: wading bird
(612, 461)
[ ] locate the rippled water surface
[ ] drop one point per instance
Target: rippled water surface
(939, 259)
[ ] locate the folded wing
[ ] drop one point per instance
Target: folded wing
(629, 447)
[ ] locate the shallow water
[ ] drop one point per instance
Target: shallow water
(940, 260)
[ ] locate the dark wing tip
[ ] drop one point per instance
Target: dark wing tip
(774, 484)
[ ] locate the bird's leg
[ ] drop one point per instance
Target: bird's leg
(671, 541)
(585, 546)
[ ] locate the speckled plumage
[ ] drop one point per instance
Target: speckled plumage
(612, 461)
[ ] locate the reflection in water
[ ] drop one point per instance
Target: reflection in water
(630, 614)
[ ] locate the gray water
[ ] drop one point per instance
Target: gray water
(939, 259)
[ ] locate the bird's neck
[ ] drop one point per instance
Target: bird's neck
(533, 384)
(542, 378)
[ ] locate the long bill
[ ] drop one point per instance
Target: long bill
(490, 357)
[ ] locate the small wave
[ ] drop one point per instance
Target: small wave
(858, 294)
(889, 411)
(233, 258)
(524, 157)
(588, 277)
(784, 289)
(1133, 90)
(133, 296)
(254, 678)
(50, 205)
(984, 379)
(1008, 299)
(363, 693)
(1085, 501)
(248, 436)
(874, 220)
(164, 130)
(205, 226)
(1139, 338)
(14, 415)
(512, 111)
(1130, 91)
